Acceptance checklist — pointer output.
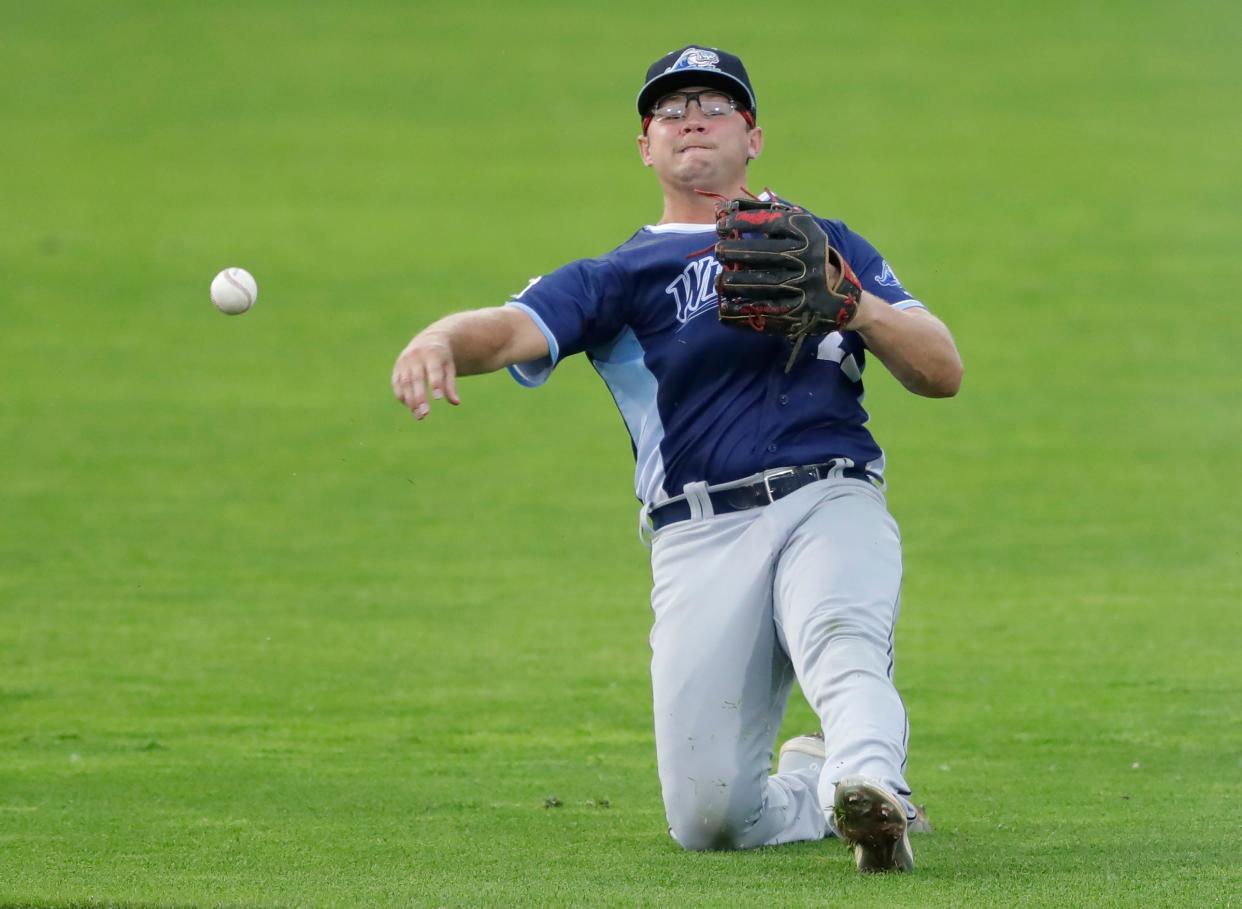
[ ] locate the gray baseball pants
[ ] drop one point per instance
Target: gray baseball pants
(806, 587)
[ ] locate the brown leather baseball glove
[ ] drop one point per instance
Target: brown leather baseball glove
(780, 276)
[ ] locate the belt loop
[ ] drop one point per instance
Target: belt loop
(699, 501)
(646, 530)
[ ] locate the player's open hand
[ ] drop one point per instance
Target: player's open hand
(425, 371)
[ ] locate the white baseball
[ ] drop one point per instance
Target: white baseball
(234, 291)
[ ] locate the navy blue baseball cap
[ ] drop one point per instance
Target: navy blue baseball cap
(696, 64)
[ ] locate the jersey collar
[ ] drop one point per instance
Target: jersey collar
(674, 228)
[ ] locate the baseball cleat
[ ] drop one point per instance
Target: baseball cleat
(921, 823)
(873, 821)
(803, 752)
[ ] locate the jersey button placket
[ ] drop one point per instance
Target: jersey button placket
(773, 395)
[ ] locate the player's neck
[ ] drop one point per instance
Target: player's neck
(688, 207)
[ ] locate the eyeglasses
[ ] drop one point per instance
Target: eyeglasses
(711, 103)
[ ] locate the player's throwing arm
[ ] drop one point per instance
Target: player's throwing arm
(463, 344)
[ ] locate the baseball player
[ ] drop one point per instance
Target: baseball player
(733, 334)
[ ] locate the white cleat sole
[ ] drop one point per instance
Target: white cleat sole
(806, 752)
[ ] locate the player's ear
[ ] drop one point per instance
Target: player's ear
(754, 143)
(644, 149)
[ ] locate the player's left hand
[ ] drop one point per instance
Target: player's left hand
(780, 275)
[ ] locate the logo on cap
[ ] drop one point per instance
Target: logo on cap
(694, 58)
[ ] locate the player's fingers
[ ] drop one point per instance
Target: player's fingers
(450, 382)
(418, 402)
(404, 391)
(435, 377)
(401, 381)
(409, 386)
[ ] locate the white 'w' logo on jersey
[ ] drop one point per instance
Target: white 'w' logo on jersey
(695, 288)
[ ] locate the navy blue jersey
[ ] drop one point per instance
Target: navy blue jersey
(704, 401)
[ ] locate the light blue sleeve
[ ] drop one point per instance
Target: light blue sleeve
(534, 373)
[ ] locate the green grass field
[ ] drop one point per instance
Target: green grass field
(267, 642)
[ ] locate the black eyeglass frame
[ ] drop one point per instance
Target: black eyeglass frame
(696, 97)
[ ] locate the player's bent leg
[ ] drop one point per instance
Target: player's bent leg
(720, 681)
(741, 812)
(836, 603)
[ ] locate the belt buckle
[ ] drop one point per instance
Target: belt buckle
(780, 474)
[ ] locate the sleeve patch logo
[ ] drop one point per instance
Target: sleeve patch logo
(886, 278)
(529, 284)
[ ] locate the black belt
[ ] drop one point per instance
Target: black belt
(775, 484)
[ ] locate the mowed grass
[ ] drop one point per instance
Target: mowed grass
(266, 642)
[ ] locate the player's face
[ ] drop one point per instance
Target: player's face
(699, 151)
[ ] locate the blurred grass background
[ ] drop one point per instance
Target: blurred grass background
(268, 643)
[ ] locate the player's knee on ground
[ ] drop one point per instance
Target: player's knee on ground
(719, 819)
